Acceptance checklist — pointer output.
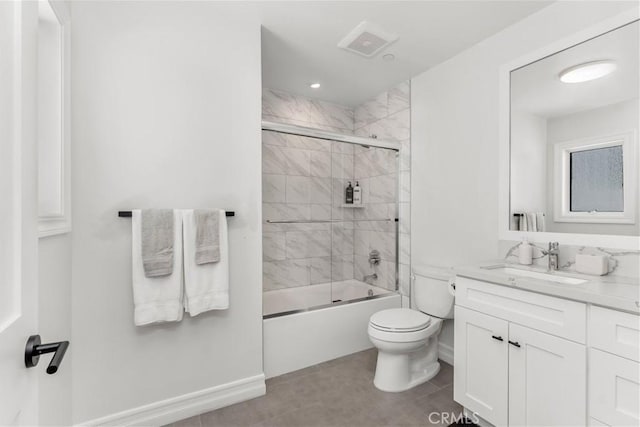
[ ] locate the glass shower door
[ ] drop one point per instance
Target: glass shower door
(364, 231)
(318, 247)
(297, 232)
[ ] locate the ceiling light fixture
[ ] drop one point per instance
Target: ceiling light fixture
(314, 85)
(587, 71)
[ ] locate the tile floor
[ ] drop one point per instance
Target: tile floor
(335, 394)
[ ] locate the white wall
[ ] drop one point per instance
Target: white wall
(455, 137)
(528, 162)
(166, 108)
(54, 324)
(608, 120)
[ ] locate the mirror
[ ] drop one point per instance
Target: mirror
(573, 138)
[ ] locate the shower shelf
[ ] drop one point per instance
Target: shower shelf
(352, 206)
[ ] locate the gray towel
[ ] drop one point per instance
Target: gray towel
(157, 242)
(207, 235)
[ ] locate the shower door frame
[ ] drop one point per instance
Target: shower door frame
(330, 136)
(349, 139)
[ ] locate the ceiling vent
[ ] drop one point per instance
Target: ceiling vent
(367, 39)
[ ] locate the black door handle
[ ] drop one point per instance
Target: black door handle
(514, 343)
(34, 349)
(497, 338)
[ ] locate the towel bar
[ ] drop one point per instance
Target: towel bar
(127, 214)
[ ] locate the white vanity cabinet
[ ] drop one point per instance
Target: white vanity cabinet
(614, 371)
(527, 359)
(520, 357)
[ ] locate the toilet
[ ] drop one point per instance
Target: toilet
(407, 339)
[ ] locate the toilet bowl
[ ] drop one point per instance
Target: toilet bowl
(407, 339)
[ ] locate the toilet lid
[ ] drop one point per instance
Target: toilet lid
(400, 320)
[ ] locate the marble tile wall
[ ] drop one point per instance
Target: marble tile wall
(388, 116)
(623, 263)
(282, 107)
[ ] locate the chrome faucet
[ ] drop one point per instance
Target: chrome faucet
(374, 257)
(554, 250)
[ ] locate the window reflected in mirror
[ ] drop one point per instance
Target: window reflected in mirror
(596, 180)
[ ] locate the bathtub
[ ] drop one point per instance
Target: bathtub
(308, 325)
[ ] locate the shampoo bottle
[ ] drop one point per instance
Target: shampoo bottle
(348, 199)
(525, 253)
(357, 194)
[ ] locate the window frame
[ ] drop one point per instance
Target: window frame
(562, 179)
(52, 225)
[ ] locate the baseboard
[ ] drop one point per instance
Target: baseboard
(445, 353)
(185, 406)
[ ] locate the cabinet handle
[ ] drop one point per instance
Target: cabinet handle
(514, 343)
(497, 338)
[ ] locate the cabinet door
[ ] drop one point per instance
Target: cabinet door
(615, 332)
(481, 364)
(547, 379)
(614, 389)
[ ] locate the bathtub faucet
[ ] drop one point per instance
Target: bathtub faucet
(374, 258)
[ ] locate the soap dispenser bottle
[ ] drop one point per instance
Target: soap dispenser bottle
(525, 253)
(348, 199)
(357, 194)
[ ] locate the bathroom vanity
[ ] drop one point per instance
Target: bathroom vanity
(534, 348)
(553, 349)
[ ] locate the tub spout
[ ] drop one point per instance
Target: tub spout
(373, 276)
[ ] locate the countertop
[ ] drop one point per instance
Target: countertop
(615, 292)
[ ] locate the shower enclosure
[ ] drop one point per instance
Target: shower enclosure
(318, 250)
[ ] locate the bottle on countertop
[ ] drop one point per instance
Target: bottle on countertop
(525, 252)
(349, 194)
(357, 194)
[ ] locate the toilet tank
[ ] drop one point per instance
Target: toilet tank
(431, 291)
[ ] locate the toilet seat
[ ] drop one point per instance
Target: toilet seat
(398, 320)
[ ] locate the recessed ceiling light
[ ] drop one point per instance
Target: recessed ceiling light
(587, 71)
(388, 57)
(314, 85)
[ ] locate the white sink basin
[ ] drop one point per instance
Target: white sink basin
(511, 271)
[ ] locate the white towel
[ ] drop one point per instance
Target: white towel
(156, 299)
(540, 222)
(206, 285)
(531, 221)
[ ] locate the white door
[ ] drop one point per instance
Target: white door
(547, 379)
(481, 361)
(614, 390)
(18, 210)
